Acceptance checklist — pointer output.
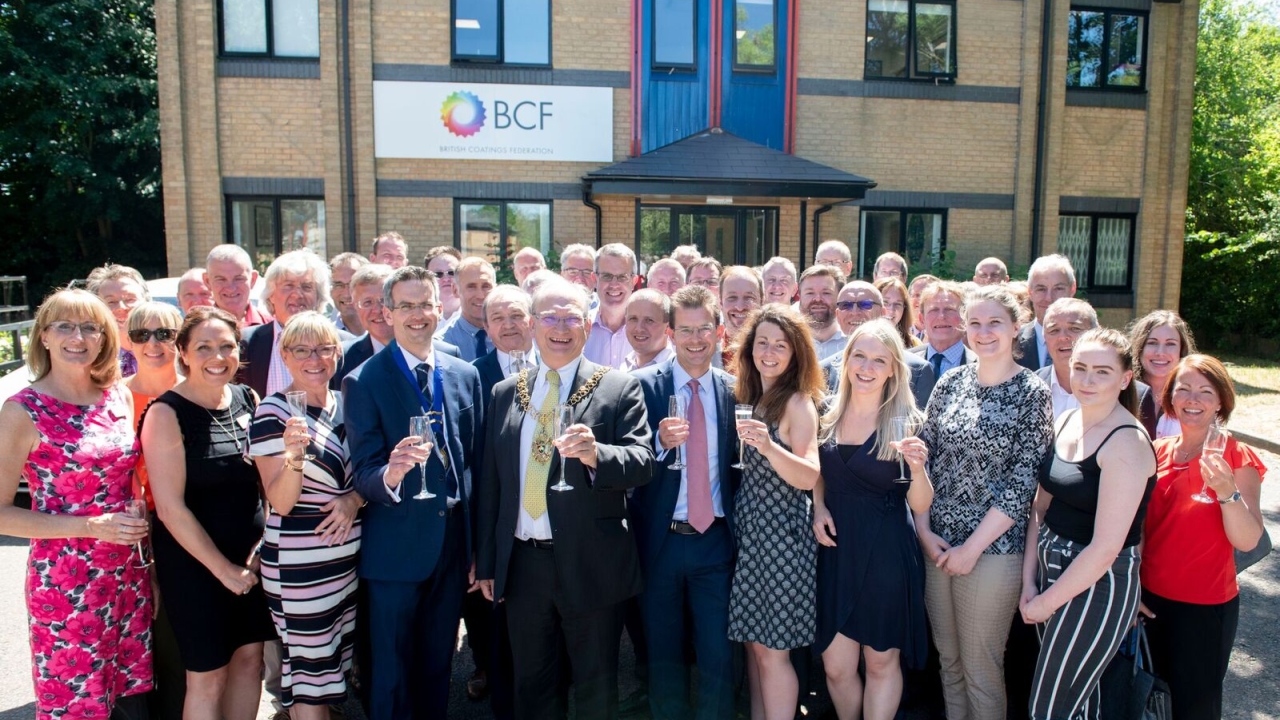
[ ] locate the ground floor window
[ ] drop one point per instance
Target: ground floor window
(1100, 248)
(734, 236)
(917, 235)
(268, 226)
(498, 229)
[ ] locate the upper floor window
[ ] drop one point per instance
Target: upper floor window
(754, 35)
(911, 39)
(1106, 49)
(514, 32)
(675, 26)
(271, 28)
(1100, 248)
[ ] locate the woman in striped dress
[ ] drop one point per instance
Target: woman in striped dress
(1080, 574)
(313, 532)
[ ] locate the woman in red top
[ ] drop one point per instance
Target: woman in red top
(1189, 589)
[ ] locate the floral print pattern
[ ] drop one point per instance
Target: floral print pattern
(89, 607)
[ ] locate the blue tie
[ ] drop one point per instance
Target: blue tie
(481, 348)
(937, 364)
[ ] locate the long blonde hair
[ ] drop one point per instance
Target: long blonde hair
(896, 399)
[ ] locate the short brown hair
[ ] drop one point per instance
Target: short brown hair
(694, 297)
(391, 235)
(820, 269)
(65, 305)
(1214, 371)
(198, 316)
(439, 250)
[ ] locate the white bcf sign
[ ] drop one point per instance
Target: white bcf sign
(477, 121)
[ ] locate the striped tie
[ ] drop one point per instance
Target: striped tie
(534, 498)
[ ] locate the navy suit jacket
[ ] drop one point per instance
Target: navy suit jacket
(357, 350)
(922, 379)
(921, 351)
(490, 374)
(1030, 357)
(654, 504)
(255, 355)
(402, 541)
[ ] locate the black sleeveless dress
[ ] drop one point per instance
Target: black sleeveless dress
(871, 584)
(209, 621)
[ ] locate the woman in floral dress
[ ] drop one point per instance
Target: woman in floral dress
(70, 436)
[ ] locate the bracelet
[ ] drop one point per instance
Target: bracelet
(290, 464)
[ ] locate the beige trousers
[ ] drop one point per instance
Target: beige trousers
(970, 615)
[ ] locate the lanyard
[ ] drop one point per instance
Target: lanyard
(436, 413)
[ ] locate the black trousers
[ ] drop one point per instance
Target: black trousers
(540, 626)
(1191, 648)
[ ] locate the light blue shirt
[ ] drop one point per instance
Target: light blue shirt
(462, 334)
(707, 394)
(952, 357)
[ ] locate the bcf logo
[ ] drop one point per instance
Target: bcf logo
(464, 114)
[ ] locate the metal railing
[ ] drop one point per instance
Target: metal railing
(15, 319)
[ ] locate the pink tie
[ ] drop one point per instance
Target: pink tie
(698, 477)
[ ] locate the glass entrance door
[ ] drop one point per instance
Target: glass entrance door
(734, 236)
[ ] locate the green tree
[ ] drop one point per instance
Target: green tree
(79, 139)
(1235, 136)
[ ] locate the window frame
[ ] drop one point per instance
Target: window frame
(1107, 14)
(654, 65)
(902, 234)
(499, 58)
(912, 74)
(738, 212)
(277, 241)
(504, 252)
(737, 67)
(1091, 270)
(270, 53)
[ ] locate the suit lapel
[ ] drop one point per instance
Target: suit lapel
(724, 408)
(408, 394)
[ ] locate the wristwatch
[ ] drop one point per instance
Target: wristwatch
(1234, 497)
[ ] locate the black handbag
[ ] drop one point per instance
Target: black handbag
(1246, 560)
(1129, 689)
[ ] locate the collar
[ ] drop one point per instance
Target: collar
(504, 359)
(567, 373)
(680, 377)
(1054, 384)
(377, 346)
(633, 361)
(953, 354)
(277, 332)
(1039, 331)
(467, 327)
(414, 361)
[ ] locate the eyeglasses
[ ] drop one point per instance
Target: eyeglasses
(607, 278)
(86, 330)
(688, 333)
(895, 306)
(576, 272)
(302, 352)
(571, 322)
(164, 335)
(444, 273)
(370, 303)
(407, 307)
(712, 283)
(849, 305)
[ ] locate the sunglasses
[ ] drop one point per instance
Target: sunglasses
(849, 305)
(164, 335)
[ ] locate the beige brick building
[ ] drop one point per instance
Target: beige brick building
(979, 139)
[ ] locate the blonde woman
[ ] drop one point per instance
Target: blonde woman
(870, 573)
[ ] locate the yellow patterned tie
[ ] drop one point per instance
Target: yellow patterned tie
(534, 500)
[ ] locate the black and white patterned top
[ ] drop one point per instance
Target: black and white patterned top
(985, 449)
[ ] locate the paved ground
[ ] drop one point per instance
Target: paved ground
(1252, 686)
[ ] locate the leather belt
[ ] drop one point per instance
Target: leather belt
(680, 527)
(538, 544)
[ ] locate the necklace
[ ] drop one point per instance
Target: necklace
(1186, 454)
(234, 437)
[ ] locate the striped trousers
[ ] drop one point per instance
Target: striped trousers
(1082, 637)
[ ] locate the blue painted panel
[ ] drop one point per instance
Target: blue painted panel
(673, 102)
(753, 102)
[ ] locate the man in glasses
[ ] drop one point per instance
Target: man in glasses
(836, 254)
(705, 272)
(341, 269)
(443, 260)
(578, 266)
(683, 517)
(414, 557)
(858, 303)
(474, 280)
(561, 556)
(296, 281)
(615, 271)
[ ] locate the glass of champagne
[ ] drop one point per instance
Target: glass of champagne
(420, 426)
(901, 431)
(676, 409)
(298, 408)
(740, 413)
(517, 361)
(564, 418)
(1215, 443)
(137, 508)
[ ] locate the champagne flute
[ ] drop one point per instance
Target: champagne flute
(298, 408)
(676, 409)
(740, 413)
(137, 508)
(517, 361)
(901, 426)
(420, 426)
(1215, 443)
(564, 418)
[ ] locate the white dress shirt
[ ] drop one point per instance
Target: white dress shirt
(632, 361)
(278, 376)
(707, 394)
(831, 346)
(527, 528)
(504, 361)
(1063, 400)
